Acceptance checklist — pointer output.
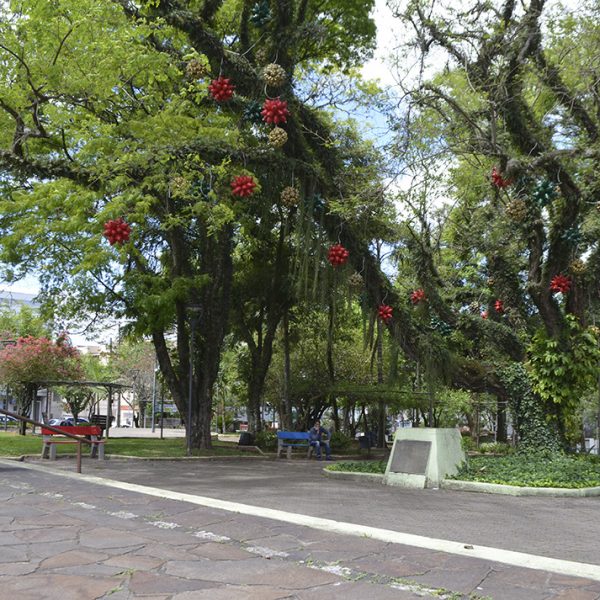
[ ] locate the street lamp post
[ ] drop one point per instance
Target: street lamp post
(194, 315)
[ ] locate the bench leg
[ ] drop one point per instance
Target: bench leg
(45, 450)
(289, 453)
(52, 451)
(310, 450)
(100, 451)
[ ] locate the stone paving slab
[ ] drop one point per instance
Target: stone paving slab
(121, 545)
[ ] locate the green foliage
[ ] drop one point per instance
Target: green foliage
(340, 441)
(266, 440)
(21, 323)
(78, 398)
(367, 466)
(533, 470)
(495, 448)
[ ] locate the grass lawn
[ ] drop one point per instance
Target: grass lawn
(12, 444)
(363, 466)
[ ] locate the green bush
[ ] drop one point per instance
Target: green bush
(266, 440)
(340, 441)
(468, 443)
(496, 448)
(533, 470)
(365, 466)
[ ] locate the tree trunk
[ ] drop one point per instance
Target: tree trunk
(287, 401)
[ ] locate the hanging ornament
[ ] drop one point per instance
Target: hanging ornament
(560, 283)
(275, 111)
(577, 267)
(274, 75)
(356, 280)
(418, 296)
(544, 192)
(290, 196)
(337, 255)
(384, 312)
(196, 69)
(179, 185)
(117, 231)
(516, 210)
(252, 112)
(260, 14)
(221, 89)
(491, 282)
(243, 186)
(499, 306)
(474, 307)
(278, 137)
(484, 314)
(498, 180)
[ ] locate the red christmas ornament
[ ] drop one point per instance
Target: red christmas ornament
(418, 296)
(484, 314)
(498, 180)
(221, 89)
(499, 306)
(275, 111)
(385, 313)
(337, 255)
(243, 186)
(560, 283)
(117, 231)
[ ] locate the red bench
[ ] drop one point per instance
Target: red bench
(51, 439)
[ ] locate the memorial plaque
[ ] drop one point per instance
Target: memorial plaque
(410, 456)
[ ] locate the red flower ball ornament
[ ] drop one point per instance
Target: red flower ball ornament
(484, 314)
(498, 180)
(418, 296)
(275, 111)
(560, 283)
(499, 306)
(117, 231)
(337, 255)
(221, 89)
(243, 186)
(384, 312)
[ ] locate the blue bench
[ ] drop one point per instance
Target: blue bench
(293, 439)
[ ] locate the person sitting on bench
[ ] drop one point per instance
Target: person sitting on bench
(319, 436)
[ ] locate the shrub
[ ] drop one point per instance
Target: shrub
(340, 441)
(366, 466)
(468, 443)
(496, 448)
(266, 440)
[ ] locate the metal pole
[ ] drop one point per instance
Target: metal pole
(162, 411)
(191, 387)
(79, 456)
(154, 400)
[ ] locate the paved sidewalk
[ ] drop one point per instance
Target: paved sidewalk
(65, 538)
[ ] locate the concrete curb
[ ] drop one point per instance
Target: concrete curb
(514, 490)
(353, 476)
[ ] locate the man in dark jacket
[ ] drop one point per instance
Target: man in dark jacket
(319, 436)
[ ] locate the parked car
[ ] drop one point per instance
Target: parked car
(68, 422)
(5, 419)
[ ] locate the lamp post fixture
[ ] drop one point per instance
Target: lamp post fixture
(194, 317)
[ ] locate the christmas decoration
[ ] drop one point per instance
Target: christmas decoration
(577, 267)
(491, 282)
(356, 280)
(261, 56)
(274, 75)
(196, 69)
(221, 89)
(260, 14)
(384, 312)
(560, 283)
(484, 314)
(337, 255)
(179, 185)
(418, 296)
(117, 231)
(499, 306)
(517, 210)
(275, 111)
(544, 192)
(252, 112)
(243, 186)
(290, 196)
(278, 137)
(498, 180)
(440, 326)
(474, 307)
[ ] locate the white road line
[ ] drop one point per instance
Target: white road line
(508, 557)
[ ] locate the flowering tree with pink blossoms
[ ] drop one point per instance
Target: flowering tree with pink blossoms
(32, 361)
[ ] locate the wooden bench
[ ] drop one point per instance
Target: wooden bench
(293, 439)
(51, 439)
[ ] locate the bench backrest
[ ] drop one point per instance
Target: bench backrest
(293, 435)
(75, 430)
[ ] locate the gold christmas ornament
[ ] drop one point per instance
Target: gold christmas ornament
(491, 282)
(261, 56)
(290, 196)
(517, 210)
(577, 267)
(278, 137)
(274, 75)
(356, 280)
(196, 69)
(179, 185)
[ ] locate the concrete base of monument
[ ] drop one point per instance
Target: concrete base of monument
(422, 458)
